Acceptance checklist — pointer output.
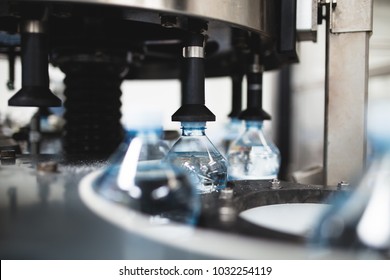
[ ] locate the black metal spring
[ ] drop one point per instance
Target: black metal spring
(92, 109)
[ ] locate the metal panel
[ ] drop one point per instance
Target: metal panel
(251, 14)
(346, 90)
(352, 16)
(346, 100)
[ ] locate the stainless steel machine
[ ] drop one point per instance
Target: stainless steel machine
(47, 209)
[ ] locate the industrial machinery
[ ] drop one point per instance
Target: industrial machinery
(48, 208)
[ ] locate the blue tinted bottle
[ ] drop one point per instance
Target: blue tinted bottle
(140, 179)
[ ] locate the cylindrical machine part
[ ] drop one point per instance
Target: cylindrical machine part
(236, 95)
(255, 84)
(35, 56)
(193, 107)
(193, 83)
(33, 26)
(11, 68)
(35, 76)
(35, 135)
(254, 110)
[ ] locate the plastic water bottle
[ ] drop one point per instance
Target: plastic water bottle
(234, 127)
(203, 162)
(359, 219)
(252, 156)
(232, 130)
(138, 177)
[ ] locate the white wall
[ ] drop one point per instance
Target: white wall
(165, 96)
(308, 104)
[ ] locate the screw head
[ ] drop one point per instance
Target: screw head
(342, 185)
(275, 184)
(226, 193)
(168, 21)
(48, 166)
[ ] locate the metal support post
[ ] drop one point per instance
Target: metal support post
(346, 86)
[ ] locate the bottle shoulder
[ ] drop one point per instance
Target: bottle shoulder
(255, 139)
(194, 144)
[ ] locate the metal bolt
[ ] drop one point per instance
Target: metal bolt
(326, 2)
(7, 154)
(342, 185)
(227, 214)
(10, 85)
(275, 184)
(33, 26)
(226, 193)
(48, 166)
(168, 21)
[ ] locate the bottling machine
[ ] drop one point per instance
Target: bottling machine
(48, 208)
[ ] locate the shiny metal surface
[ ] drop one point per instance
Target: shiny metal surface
(347, 83)
(356, 19)
(58, 215)
(193, 51)
(346, 88)
(33, 26)
(42, 217)
(251, 14)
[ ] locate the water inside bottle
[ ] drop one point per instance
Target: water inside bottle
(253, 162)
(207, 170)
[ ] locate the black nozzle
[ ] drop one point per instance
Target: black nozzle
(193, 107)
(254, 109)
(236, 96)
(193, 113)
(35, 97)
(11, 68)
(35, 77)
(254, 114)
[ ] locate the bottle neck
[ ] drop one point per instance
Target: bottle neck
(235, 121)
(254, 125)
(193, 128)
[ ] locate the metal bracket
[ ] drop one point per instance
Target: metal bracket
(325, 11)
(346, 16)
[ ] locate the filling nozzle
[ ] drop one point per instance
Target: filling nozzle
(254, 110)
(193, 107)
(35, 90)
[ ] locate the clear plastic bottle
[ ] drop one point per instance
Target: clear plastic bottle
(234, 127)
(232, 130)
(195, 152)
(359, 218)
(251, 156)
(139, 178)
